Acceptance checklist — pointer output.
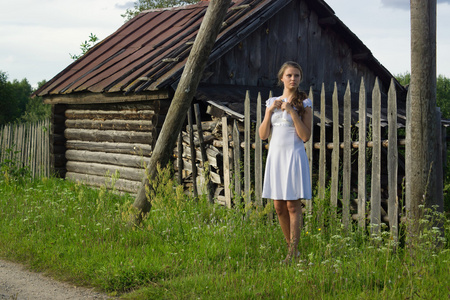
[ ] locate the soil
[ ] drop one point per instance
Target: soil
(17, 283)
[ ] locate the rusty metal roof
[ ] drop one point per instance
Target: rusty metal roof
(149, 52)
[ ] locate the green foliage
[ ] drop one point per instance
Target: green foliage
(86, 46)
(142, 5)
(16, 105)
(186, 249)
(443, 95)
(10, 168)
(442, 91)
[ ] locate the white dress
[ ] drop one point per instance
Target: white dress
(286, 176)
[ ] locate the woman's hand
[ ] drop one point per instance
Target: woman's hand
(286, 106)
(277, 104)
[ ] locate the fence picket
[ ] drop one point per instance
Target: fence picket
(226, 162)
(347, 159)
(322, 154)
(392, 161)
(237, 165)
(335, 152)
(375, 201)
(193, 153)
(258, 155)
(310, 147)
(247, 149)
(362, 155)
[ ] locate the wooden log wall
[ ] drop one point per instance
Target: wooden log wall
(107, 139)
(229, 142)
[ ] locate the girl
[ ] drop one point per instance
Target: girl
(287, 180)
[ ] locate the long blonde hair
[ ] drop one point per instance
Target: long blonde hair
(297, 101)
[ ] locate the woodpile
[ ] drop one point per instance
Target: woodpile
(190, 169)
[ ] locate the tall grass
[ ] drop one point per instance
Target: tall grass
(186, 249)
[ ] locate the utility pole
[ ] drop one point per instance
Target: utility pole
(423, 155)
(187, 87)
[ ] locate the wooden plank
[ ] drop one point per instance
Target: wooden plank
(135, 174)
(86, 98)
(247, 148)
(226, 162)
(94, 135)
(258, 155)
(322, 153)
(126, 160)
(362, 197)
(193, 152)
(237, 163)
(375, 204)
(347, 159)
(124, 148)
(99, 181)
(392, 162)
(335, 154)
(111, 115)
(205, 163)
(133, 125)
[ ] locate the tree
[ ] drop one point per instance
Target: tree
(35, 109)
(16, 103)
(86, 46)
(442, 91)
(142, 5)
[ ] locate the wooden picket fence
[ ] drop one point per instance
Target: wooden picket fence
(366, 208)
(26, 146)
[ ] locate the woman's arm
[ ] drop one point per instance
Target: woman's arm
(264, 128)
(302, 124)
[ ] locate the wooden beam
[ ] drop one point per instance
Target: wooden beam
(87, 98)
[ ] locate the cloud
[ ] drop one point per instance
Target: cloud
(405, 4)
(124, 6)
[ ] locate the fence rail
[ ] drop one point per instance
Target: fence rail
(26, 146)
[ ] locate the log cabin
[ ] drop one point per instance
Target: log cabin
(109, 105)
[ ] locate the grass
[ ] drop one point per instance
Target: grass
(188, 249)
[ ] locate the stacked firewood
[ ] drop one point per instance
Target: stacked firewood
(212, 132)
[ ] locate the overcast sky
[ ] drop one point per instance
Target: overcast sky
(37, 37)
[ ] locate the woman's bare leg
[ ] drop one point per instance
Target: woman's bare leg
(284, 219)
(295, 217)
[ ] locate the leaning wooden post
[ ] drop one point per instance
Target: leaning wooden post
(187, 87)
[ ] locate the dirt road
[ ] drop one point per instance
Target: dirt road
(20, 284)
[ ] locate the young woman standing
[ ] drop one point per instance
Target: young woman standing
(287, 180)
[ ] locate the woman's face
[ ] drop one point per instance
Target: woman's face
(291, 78)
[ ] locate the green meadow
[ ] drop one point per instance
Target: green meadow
(188, 249)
